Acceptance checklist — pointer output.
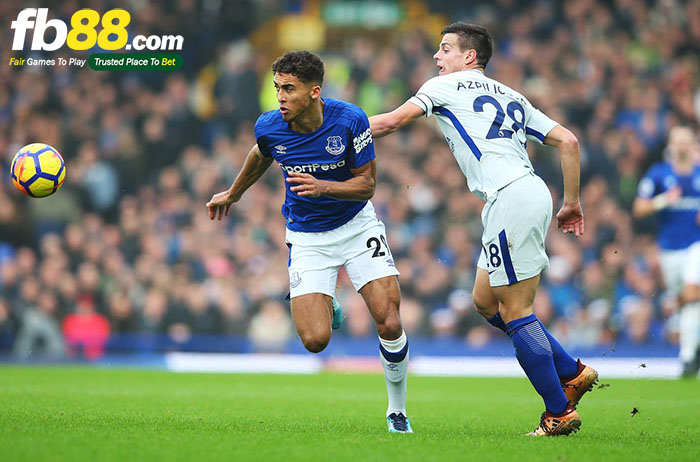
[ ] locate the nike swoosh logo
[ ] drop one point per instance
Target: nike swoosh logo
(492, 271)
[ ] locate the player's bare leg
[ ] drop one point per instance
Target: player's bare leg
(383, 298)
(690, 331)
(534, 352)
(516, 300)
(312, 315)
(576, 378)
(485, 301)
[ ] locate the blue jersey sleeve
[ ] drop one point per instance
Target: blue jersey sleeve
(260, 136)
(651, 184)
(646, 187)
(362, 145)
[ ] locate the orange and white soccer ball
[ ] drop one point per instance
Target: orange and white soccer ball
(38, 170)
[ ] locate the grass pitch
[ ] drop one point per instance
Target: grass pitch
(52, 413)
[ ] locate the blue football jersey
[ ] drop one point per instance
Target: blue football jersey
(343, 141)
(678, 226)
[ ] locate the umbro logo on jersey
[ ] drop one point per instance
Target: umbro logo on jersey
(335, 145)
(281, 149)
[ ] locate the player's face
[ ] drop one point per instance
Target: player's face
(449, 58)
(294, 96)
(681, 142)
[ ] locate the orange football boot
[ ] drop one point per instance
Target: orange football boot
(575, 387)
(558, 424)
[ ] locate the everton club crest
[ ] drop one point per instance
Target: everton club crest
(294, 279)
(335, 145)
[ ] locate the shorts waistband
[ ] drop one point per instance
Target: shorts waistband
(494, 195)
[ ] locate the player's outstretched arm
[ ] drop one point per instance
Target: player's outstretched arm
(358, 188)
(253, 168)
(644, 207)
(389, 122)
(570, 217)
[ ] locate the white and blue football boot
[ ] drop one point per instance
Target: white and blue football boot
(337, 314)
(398, 423)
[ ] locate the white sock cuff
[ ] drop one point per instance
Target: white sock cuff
(394, 346)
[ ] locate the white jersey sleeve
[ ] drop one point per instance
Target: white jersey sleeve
(537, 124)
(432, 94)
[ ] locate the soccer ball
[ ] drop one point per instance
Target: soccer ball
(38, 170)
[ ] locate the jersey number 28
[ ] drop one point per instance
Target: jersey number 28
(497, 130)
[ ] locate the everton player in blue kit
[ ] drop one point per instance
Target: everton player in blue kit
(325, 151)
(672, 189)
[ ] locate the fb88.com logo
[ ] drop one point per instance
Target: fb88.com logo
(83, 34)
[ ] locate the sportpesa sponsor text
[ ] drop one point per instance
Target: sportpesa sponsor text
(310, 168)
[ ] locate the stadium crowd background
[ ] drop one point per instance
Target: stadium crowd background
(126, 246)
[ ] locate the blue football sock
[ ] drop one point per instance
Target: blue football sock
(534, 353)
(497, 321)
(566, 366)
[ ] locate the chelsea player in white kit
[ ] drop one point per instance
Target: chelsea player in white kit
(325, 151)
(486, 125)
(672, 189)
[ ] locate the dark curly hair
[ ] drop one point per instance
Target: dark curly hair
(472, 37)
(306, 66)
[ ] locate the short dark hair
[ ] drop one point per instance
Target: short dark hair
(306, 66)
(472, 36)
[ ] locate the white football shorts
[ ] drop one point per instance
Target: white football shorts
(680, 267)
(692, 274)
(515, 221)
(360, 245)
(673, 266)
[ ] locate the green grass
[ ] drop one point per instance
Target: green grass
(54, 413)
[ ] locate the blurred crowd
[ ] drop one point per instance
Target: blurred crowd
(126, 246)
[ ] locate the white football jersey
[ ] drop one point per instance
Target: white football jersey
(486, 125)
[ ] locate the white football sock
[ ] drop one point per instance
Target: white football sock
(395, 374)
(689, 330)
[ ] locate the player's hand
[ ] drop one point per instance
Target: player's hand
(220, 204)
(307, 185)
(570, 219)
(673, 195)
